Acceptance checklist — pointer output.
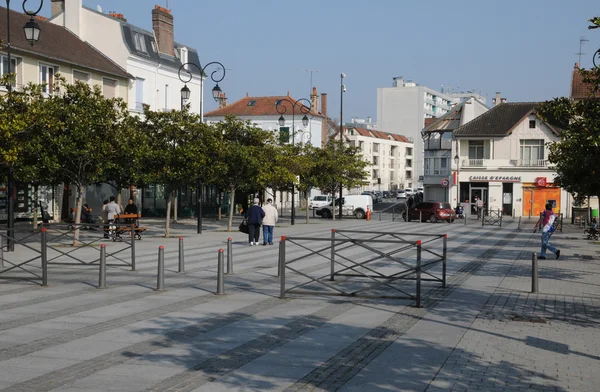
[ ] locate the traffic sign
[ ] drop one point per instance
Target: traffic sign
(445, 183)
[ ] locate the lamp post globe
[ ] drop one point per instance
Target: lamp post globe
(281, 121)
(305, 121)
(185, 93)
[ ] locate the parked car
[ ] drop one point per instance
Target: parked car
(386, 194)
(352, 205)
(409, 192)
(401, 194)
(319, 201)
(430, 211)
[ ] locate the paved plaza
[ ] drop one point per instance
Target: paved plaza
(485, 331)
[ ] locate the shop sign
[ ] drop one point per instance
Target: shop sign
(496, 178)
(541, 182)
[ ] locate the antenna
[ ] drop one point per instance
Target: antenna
(99, 8)
(581, 41)
(311, 78)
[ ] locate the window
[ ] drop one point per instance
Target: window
(532, 150)
(531, 124)
(139, 42)
(375, 160)
(436, 166)
(409, 163)
(109, 88)
(253, 103)
(47, 79)
(139, 94)
(409, 151)
(375, 147)
(79, 76)
(7, 70)
(475, 149)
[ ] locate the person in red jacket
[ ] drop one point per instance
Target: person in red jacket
(547, 224)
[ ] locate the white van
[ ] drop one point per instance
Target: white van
(319, 201)
(352, 205)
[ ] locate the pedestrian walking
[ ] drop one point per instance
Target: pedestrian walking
(255, 216)
(270, 218)
(112, 209)
(479, 205)
(548, 218)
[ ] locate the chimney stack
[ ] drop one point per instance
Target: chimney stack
(324, 104)
(498, 100)
(162, 24)
(314, 100)
(58, 6)
(222, 100)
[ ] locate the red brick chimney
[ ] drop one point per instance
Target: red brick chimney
(162, 24)
(324, 104)
(222, 100)
(314, 100)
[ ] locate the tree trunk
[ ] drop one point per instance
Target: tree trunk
(36, 203)
(220, 201)
(306, 198)
(175, 206)
(232, 203)
(79, 205)
(168, 219)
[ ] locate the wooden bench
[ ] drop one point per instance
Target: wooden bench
(123, 222)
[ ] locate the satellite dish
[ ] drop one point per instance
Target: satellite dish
(99, 8)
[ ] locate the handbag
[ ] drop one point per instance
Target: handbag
(244, 227)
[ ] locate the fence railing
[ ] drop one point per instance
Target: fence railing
(492, 218)
(362, 264)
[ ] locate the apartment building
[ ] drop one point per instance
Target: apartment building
(390, 158)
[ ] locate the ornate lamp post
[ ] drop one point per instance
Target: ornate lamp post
(342, 91)
(185, 95)
(282, 109)
(457, 161)
(32, 34)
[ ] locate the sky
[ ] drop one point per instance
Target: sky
(525, 49)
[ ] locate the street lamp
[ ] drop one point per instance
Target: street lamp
(32, 34)
(457, 161)
(185, 95)
(282, 109)
(342, 91)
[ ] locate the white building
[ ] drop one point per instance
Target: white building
(152, 57)
(390, 158)
(503, 159)
(265, 112)
(403, 108)
(440, 150)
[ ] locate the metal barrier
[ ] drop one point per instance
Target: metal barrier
(492, 218)
(25, 262)
(392, 207)
(398, 213)
(363, 264)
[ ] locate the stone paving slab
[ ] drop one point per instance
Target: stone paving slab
(464, 338)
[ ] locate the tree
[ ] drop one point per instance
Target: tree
(177, 151)
(77, 127)
(577, 154)
(306, 165)
(243, 153)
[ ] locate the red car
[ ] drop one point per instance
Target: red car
(431, 211)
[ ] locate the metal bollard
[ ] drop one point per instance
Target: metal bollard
(282, 268)
(102, 277)
(519, 223)
(465, 219)
(220, 277)
(160, 280)
(444, 255)
(181, 262)
(418, 273)
(534, 273)
(420, 216)
(332, 268)
(44, 254)
(133, 246)
(229, 256)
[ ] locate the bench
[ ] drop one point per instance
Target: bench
(123, 225)
(71, 219)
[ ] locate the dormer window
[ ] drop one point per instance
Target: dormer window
(251, 103)
(139, 42)
(154, 48)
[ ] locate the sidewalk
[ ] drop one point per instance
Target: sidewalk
(485, 331)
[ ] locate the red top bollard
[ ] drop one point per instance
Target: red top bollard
(282, 238)
(180, 238)
(103, 246)
(333, 230)
(221, 250)
(229, 239)
(161, 247)
(419, 242)
(43, 229)
(445, 235)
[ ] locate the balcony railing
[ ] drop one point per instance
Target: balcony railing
(473, 162)
(532, 162)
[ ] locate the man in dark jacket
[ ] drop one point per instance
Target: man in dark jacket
(255, 216)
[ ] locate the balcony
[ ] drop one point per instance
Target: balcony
(531, 163)
(473, 163)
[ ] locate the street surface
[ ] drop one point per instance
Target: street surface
(485, 332)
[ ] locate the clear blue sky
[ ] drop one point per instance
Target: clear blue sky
(524, 48)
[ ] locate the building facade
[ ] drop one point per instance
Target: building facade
(404, 107)
(503, 159)
(440, 150)
(390, 158)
